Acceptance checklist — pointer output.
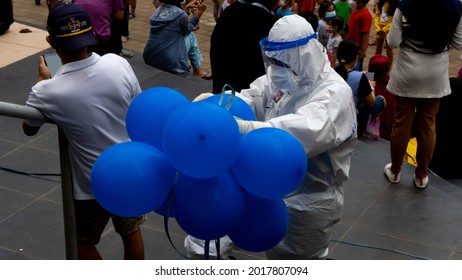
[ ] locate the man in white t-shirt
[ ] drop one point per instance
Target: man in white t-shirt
(88, 99)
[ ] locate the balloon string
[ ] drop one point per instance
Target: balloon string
(217, 247)
(167, 213)
(168, 208)
(207, 249)
(231, 98)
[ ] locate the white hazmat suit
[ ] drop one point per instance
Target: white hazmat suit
(304, 96)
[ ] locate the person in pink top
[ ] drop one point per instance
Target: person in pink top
(359, 26)
(103, 15)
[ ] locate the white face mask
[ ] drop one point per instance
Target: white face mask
(278, 75)
(330, 15)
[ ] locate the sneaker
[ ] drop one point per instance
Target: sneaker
(393, 178)
(420, 183)
(126, 53)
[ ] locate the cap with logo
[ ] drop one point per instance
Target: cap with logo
(70, 27)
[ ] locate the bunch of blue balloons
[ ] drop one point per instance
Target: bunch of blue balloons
(188, 160)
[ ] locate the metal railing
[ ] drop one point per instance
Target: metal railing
(24, 112)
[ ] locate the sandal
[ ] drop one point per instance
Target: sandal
(207, 76)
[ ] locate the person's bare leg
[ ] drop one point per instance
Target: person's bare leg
(201, 73)
(132, 7)
(379, 45)
(198, 72)
(88, 253)
(133, 246)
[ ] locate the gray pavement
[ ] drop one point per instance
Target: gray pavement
(380, 221)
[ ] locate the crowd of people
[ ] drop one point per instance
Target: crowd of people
(300, 72)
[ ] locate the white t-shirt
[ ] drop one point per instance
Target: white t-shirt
(88, 100)
(333, 43)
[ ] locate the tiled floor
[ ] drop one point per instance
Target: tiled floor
(16, 45)
(380, 220)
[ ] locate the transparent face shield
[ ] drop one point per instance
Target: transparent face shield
(276, 57)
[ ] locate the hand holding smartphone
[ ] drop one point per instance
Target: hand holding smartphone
(53, 62)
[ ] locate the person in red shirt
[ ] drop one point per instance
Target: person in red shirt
(359, 26)
(304, 6)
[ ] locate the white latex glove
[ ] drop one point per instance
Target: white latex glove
(203, 96)
(247, 126)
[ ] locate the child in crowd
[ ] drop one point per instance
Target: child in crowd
(326, 11)
(380, 66)
(336, 23)
(285, 8)
(359, 26)
(383, 18)
(343, 10)
(367, 104)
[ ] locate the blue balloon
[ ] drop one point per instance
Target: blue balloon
(208, 208)
(271, 163)
(239, 107)
(149, 111)
(131, 179)
(201, 140)
(263, 225)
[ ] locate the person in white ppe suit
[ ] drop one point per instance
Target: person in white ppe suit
(304, 96)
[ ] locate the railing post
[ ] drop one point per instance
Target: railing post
(70, 233)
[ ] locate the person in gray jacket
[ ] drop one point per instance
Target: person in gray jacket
(171, 40)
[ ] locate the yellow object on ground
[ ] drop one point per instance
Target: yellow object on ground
(410, 156)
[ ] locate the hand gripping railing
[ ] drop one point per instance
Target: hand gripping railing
(24, 112)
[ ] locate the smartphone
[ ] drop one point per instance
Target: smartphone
(53, 62)
(370, 75)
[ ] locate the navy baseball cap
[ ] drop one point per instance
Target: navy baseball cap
(70, 27)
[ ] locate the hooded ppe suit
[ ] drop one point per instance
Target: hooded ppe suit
(304, 96)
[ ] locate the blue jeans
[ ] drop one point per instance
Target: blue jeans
(364, 112)
(192, 48)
